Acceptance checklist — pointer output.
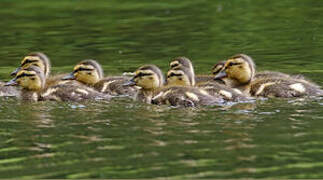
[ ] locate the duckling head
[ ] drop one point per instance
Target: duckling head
(182, 62)
(180, 76)
(240, 68)
(37, 59)
(148, 77)
(31, 78)
(218, 67)
(87, 71)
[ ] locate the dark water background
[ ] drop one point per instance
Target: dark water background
(124, 139)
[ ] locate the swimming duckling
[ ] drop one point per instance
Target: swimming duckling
(151, 81)
(182, 76)
(90, 72)
(187, 63)
(263, 74)
(33, 83)
(43, 62)
(240, 69)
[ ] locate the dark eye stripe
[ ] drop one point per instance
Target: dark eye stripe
(142, 74)
(82, 69)
(28, 61)
(174, 74)
(23, 75)
(234, 64)
(174, 65)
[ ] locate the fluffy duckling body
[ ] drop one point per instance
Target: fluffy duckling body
(8, 91)
(90, 73)
(182, 76)
(240, 69)
(33, 83)
(151, 81)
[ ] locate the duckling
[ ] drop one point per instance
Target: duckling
(240, 69)
(183, 77)
(220, 65)
(90, 73)
(42, 61)
(153, 91)
(185, 62)
(33, 83)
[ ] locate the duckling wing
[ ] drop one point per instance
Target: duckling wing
(277, 87)
(115, 86)
(185, 97)
(72, 91)
(222, 91)
(54, 80)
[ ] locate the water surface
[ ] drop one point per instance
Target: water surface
(271, 138)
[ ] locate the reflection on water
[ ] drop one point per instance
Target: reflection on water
(124, 139)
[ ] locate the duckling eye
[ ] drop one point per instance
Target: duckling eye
(233, 64)
(33, 79)
(140, 74)
(89, 73)
(171, 74)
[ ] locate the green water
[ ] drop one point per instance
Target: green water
(124, 139)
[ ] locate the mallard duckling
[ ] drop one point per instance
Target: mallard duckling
(151, 81)
(187, 63)
(240, 69)
(42, 61)
(182, 76)
(263, 74)
(90, 72)
(33, 83)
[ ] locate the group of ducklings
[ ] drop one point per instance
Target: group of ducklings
(233, 80)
